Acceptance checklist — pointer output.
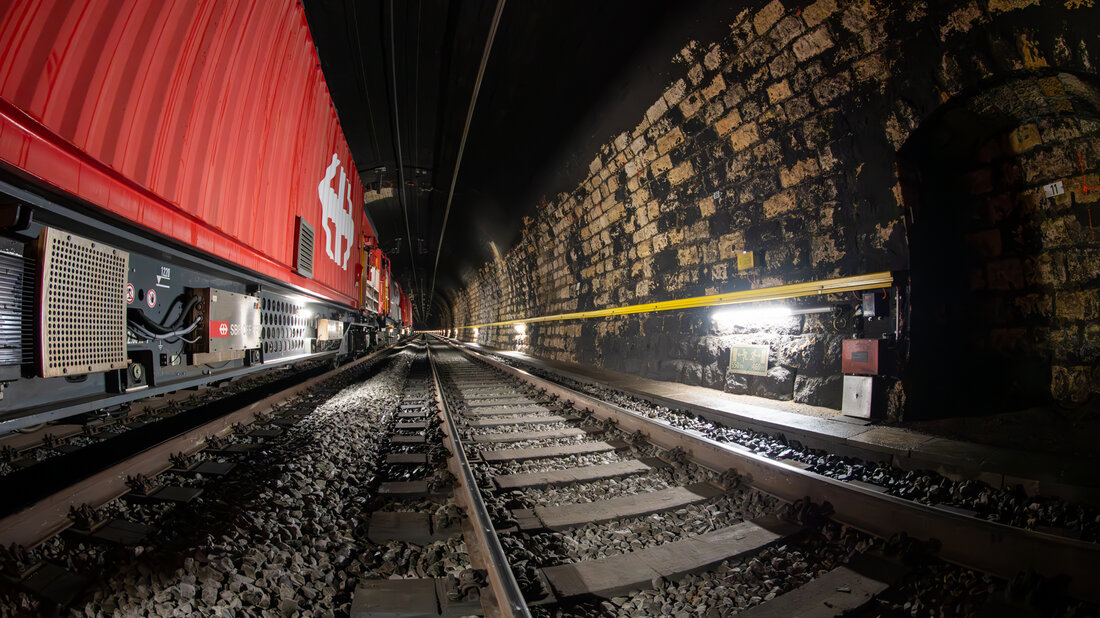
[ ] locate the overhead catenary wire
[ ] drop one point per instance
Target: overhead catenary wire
(416, 146)
(397, 146)
(465, 131)
(363, 73)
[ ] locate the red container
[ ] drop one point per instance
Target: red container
(384, 285)
(206, 121)
(860, 356)
(406, 310)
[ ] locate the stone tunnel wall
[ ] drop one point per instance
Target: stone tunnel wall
(783, 138)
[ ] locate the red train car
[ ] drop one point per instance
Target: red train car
(406, 310)
(183, 164)
(182, 116)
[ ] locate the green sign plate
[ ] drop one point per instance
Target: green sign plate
(750, 359)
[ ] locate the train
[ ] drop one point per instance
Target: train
(179, 206)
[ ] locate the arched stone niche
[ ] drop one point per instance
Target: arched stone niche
(1004, 309)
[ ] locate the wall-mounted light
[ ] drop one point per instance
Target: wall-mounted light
(476, 331)
(521, 329)
(751, 316)
(761, 316)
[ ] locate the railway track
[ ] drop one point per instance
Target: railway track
(113, 487)
(23, 449)
(579, 505)
(429, 479)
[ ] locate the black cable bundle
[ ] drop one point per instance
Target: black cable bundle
(141, 325)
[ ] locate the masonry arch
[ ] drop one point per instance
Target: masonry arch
(1004, 283)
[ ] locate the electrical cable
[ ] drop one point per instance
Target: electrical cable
(416, 142)
(462, 142)
(187, 307)
(137, 316)
(179, 332)
(397, 145)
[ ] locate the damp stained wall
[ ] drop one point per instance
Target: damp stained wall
(814, 135)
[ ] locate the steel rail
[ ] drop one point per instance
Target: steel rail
(872, 281)
(970, 542)
(50, 515)
(505, 587)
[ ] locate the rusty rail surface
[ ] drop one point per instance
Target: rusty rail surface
(970, 542)
(50, 515)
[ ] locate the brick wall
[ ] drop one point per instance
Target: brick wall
(783, 138)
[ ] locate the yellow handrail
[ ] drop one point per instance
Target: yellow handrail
(857, 283)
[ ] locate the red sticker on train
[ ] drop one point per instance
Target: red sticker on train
(219, 329)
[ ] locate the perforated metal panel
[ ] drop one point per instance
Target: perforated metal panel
(304, 260)
(82, 305)
(284, 328)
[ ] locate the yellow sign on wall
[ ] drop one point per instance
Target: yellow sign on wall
(750, 359)
(744, 260)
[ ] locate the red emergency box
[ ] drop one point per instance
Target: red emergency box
(861, 356)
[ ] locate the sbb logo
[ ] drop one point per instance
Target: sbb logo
(336, 217)
(223, 329)
(219, 329)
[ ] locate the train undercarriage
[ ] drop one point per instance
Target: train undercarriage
(96, 313)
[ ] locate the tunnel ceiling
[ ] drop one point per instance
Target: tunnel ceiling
(535, 128)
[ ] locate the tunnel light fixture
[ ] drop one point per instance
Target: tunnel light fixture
(751, 316)
(761, 316)
(476, 331)
(521, 329)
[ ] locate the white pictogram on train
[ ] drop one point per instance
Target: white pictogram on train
(336, 209)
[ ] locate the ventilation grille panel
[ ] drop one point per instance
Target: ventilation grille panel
(13, 290)
(283, 329)
(82, 305)
(303, 260)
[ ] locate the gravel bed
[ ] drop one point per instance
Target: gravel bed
(732, 586)
(531, 443)
(481, 431)
(419, 505)
(83, 440)
(282, 534)
(554, 463)
(396, 560)
(1012, 507)
(172, 408)
(606, 489)
(505, 417)
(931, 588)
(598, 540)
(145, 513)
(406, 473)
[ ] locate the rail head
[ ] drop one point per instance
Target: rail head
(970, 542)
(508, 594)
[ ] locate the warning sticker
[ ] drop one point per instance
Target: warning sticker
(219, 329)
(129, 293)
(151, 298)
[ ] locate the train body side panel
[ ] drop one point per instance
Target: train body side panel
(208, 122)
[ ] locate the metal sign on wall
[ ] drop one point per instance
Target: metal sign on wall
(750, 359)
